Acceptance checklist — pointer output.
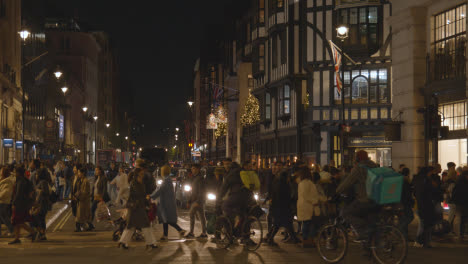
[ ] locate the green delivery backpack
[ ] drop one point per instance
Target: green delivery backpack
(384, 185)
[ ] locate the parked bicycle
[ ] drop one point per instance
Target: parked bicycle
(386, 244)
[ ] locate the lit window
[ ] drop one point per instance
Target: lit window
(454, 115)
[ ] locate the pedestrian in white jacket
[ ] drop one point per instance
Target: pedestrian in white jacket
(6, 193)
(123, 187)
(309, 204)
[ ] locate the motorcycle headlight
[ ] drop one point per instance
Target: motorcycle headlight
(256, 197)
(187, 188)
(211, 196)
(159, 182)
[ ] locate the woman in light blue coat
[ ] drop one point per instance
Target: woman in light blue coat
(167, 209)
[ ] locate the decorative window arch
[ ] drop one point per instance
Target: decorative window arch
(360, 90)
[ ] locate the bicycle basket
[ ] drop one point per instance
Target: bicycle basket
(256, 211)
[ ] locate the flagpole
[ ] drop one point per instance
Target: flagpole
(343, 110)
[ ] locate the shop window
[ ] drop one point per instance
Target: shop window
(454, 115)
(448, 34)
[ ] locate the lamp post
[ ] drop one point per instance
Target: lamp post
(85, 109)
(95, 139)
(342, 34)
(24, 34)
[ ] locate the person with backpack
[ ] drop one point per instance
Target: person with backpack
(460, 199)
(356, 213)
(22, 201)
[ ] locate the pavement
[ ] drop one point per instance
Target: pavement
(66, 246)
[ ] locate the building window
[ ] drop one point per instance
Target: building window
(366, 86)
(261, 11)
(261, 59)
(276, 6)
(258, 59)
(2, 8)
(284, 100)
(360, 88)
(284, 47)
(274, 51)
(449, 43)
(364, 24)
(454, 115)
(267, 106)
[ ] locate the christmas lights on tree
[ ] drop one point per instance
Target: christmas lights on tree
(221, 130)
(251, 113)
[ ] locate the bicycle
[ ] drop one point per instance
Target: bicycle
(251, 231)
(386, 243)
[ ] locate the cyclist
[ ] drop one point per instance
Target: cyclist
(238, 197)
(356, 213)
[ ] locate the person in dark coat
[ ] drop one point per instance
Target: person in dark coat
(22, 201)
(42, 203)
(238, 196)
(460, 198)
(137, 216)
(424, 192)
(280, 208)
(197, 202)
(407, 201)
(99, 193)
(167, 209)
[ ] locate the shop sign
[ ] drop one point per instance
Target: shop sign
(61, 128)
(8, 143)
(19, 144)
(369, 142)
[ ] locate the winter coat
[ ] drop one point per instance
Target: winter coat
(280, 207)
(460, 193)
(167, 209)
(136, 204)
(6, 190)
(42, 196)
(198, 190)
(309, 199)
(357, 180)
(83, 198)
(423, 192)
(23, 195)
(101, 191)
(238, 196)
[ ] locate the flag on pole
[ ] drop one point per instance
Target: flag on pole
(337, 62)
(217, 93)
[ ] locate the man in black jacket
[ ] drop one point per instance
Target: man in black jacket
(197, 202)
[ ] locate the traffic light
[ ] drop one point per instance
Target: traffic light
(190, 145)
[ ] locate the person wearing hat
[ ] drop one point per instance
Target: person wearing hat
(356, 212)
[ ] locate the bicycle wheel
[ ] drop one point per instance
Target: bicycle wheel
(252, 231)
(223, 232)
(332, 243)
(389, 246)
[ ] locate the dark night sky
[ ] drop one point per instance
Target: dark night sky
(157, 44)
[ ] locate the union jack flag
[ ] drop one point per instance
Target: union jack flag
(337, 63)
(217, 92)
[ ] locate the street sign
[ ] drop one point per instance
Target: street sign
(196, 154)
(8, 143)
(19, 144)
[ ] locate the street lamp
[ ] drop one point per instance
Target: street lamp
(177, 129)
(24, 34)
(95, 118)
(58, 74)
(107, 125)
(117, 134)
(126, 138)
(342, 34)
(64, 90)
(190, 103)
(85, 109)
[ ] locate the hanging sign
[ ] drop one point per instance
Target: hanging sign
(211, 122)
(19, 144)
(221, 115)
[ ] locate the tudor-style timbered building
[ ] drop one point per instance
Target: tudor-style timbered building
(365, 78)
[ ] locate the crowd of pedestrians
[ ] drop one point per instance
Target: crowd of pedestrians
(296, 195)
